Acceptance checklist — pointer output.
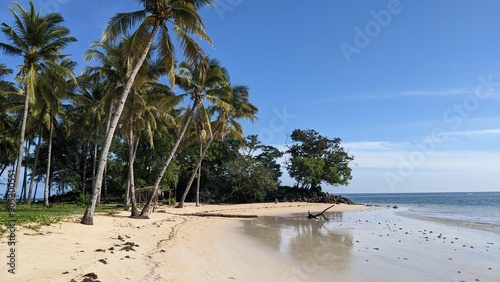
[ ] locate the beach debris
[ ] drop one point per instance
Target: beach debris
(104, 261)
(311, 216)
(90, 277)
(220, 215)
(129, 246)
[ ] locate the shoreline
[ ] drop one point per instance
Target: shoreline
(359, 243)
(117, 247)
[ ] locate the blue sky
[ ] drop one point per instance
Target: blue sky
(411, 87)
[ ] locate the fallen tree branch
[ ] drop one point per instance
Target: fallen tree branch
(311, 216)
(220, 215)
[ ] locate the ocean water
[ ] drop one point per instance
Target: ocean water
(429, 237)
(474, 208)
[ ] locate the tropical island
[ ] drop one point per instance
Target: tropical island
(148, 175)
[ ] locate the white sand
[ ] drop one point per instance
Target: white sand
(171, 247)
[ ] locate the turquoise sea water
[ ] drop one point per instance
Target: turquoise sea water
(467, 207)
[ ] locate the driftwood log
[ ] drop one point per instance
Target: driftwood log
(220, 215)
(311, 216)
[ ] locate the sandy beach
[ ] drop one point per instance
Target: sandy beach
(357, 244)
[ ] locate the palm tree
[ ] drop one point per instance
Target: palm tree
(37, 39)
(88, 115)
(225, 124)
(141, 109)
(200, 82)
(5, 86)
(149, 102)
(155, 18)
(102, 84)
(58, 79)
(7, 140)
(113, 68)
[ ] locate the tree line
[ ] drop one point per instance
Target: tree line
(118, 126)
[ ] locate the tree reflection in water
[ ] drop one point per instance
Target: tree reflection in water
(314, 243)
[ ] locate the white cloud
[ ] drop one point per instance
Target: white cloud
(399, 167)
(441, 92)
(416, 169)
(484, 132)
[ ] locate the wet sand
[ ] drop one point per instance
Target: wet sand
(357, 244)
(379, 245)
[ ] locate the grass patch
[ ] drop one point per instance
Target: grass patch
(36, 215)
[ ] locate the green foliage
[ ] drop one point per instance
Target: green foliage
(250, 177)
(266, 155)
(173, 202)
(315, 159)
(46, 80)
(309, 170)
(36, 215)
(83, 200)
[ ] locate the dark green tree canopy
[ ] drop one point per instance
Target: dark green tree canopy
(315, 159)
(266, 155)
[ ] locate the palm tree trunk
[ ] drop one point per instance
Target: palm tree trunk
(33, 173)
(198, 166)
(94, 162)
(132, 148)
(126, 197)
(47, 179)
(21, 145)
(104, 176)
(108, 123)
(145, 210)
(84, 172)
(199, 178)
(88, 217)
(22, 197)
(36, 189)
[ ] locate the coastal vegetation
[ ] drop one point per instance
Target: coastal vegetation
(140, 115)
(34, 216)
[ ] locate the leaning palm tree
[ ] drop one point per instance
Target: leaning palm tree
(140, 119)
(200, 83)
(88, 115)
(153, 21)
(105, 82)
(225, 124)
(38, 39)
(113, 68)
